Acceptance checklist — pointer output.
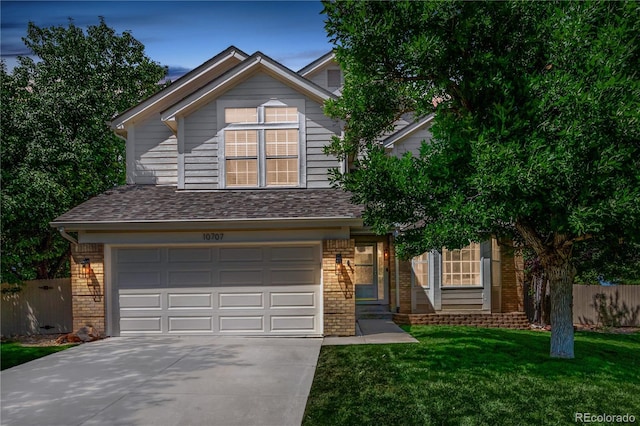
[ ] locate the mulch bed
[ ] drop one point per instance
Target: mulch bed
(35, 340)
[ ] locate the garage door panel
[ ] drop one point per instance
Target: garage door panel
(189, 301)
(300, 323)
(241, 254)
(189, 278)
(244, 277)
(298, 276)
(190, 324)
(190, 255)
(293, 300)
(140, 301)
(241, 323)
(241, 300)
(294, 254)
(139, 279)
(139, 255)
(131, 325)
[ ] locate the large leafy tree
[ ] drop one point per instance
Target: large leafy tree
(536, 135)
(57, 148)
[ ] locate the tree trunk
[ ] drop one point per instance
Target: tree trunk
(555, 256)
(561, 274)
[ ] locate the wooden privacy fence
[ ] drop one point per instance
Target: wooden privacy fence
(40, 307)
(613, 306)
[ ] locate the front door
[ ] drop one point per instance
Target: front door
(370, 272)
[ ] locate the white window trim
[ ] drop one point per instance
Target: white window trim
(261, 126)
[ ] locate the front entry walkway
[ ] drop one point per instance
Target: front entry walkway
(164, 381)
(373, 331)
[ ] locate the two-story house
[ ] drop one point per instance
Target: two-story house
(229, 225)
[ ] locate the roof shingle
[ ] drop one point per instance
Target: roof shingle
(148, 203)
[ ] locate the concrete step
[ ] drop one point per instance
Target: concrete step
(373, 312)
(375, 315)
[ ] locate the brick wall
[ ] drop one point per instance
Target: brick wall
(514, 320)
(512, 269)
(404, 284)
(339, 292)
(87, 294)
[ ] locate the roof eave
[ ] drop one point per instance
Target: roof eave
(120, 121)
(208, 224)
(407, 131)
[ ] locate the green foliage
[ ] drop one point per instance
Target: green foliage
(537, 117)
(614, 263)
(57, 148)
(536, 134)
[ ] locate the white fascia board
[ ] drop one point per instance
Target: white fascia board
(151, 102)
(407, 131)
(169, 115)
(317, 64)
(314, 91)
(245, 68)
(204, 224)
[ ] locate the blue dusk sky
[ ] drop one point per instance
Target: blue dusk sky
(182, 34)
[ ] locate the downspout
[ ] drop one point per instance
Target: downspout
(67, 236)
(395, 255)
(397, 284)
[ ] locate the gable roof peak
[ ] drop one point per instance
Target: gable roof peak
(318, 63)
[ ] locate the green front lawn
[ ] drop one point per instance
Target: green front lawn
(473, 376)
(13, 353)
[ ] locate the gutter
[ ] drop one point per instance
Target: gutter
(67, 236)
(200, 224)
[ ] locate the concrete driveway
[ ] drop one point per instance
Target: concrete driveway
(165, 381)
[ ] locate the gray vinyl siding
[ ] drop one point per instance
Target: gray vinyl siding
(320, 129)
(201, 149)
(320, 77)
(411, 143)
(201, 165)
(155, 153)
(461, 298)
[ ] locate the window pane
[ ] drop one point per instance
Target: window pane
(364, 274)
(242, 172)
(461, 267)
(281, 142)
(420, 267)
(280, 114)
(241, 143)
(364, 255)
(282, 171)
(241, 115)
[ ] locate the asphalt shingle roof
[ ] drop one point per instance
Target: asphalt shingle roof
(149, 203)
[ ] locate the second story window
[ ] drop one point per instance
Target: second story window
(261, 146)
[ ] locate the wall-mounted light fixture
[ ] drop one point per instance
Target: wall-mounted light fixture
(386, 254)
(85, 268)
(338, 263)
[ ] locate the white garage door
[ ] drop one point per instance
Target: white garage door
(234, 290)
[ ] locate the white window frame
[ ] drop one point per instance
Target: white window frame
(480, 271)
(427, 261)
(261, 126)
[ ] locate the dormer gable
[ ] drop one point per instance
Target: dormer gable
(325, 72)
(410, 137)
(178, 89)
(256, 63)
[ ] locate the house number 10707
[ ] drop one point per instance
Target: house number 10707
(212, 236)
